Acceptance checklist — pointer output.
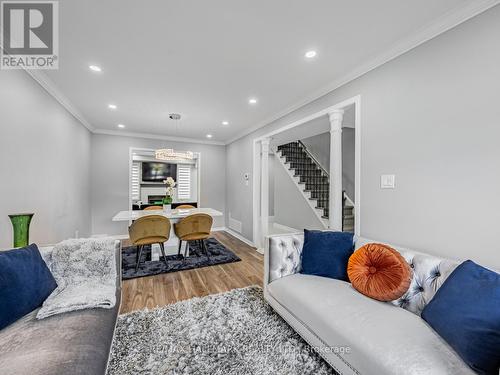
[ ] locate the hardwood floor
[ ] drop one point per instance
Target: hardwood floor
(172, 287)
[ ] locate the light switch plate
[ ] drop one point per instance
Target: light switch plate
(387, 181)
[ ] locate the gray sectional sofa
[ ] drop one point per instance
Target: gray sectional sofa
(74, 343)
(354, 333)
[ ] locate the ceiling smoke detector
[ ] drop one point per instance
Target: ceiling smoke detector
(174, 116)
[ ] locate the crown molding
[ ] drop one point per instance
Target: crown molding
(157, 136)
(444, 23)
(41, 78)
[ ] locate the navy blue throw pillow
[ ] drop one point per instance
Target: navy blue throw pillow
(25, 282)
(327, 253)
(465, 312)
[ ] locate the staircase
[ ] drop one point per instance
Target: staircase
(313, 181)
(348, 216)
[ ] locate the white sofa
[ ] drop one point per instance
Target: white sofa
(356, 334)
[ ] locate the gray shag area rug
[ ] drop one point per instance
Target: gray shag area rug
(229, 333)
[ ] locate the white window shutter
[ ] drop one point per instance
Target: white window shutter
(183, 181)
(135, 183)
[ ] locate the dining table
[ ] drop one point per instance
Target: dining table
(171, 246)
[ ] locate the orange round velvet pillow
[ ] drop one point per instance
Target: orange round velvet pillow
(380, 272)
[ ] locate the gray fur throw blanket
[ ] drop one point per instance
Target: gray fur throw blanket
(85, 272)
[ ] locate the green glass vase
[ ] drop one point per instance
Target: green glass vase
(21, 225)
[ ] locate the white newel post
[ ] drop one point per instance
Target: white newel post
(335, 201)
(264, 189)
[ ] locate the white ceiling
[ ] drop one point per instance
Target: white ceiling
(205, 59)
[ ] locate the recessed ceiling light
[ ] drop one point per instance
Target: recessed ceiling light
(121, 126)
(310, 54)
(112, 106)
(95, 68)
(225, 122)
(209, 135)
(252, 101)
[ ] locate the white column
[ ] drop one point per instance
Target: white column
(257, 238)
(335, 196)
(264, 189)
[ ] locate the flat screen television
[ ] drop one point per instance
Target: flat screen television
(157, 172)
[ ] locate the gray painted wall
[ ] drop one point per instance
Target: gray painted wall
(290, 207)
(44, 162)
(110, 178)
(431, 118)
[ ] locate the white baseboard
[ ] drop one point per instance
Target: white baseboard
(240, 237)
(219, 229)
(234, 224)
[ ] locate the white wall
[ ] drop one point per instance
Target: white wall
(431, 117)
(110, 178)
(44, 162)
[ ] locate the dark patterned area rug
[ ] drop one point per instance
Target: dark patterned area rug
(197, 258)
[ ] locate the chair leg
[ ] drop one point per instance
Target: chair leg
(162, 247)
(204, 246)
(139, 255)
(136, 254)
(195, 251)
(186, 250)
(200, 246)
(180, 247)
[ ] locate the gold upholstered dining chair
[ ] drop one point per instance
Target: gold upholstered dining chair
(196, 228)
(184, 207)
(152, 208)
(149, 230)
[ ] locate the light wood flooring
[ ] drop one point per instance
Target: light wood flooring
(160, 290)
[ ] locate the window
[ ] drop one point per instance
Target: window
(183, 181)
(135, 182)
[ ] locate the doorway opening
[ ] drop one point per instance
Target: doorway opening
(307, 174)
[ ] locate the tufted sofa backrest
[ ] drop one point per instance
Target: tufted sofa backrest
(285, 259)
(429, 272)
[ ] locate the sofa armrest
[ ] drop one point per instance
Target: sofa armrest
(282, 256)
(118, 257)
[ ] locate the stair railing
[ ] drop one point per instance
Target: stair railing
(315, 161)
(345, 197)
